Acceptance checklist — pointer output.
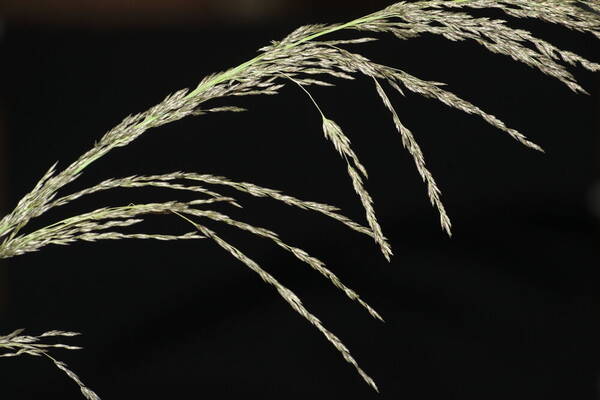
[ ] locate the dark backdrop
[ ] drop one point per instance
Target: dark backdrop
(507, 308)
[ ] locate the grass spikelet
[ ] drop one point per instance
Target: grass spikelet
(291, 298)
(409, 142)
(341, 142)
(367, 203)
(334, 133)
(300, 254)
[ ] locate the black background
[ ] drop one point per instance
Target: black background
(506, 308)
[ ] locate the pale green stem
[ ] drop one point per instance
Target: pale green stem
(308, 93)
(232, 73)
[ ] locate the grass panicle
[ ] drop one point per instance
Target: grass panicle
(305, 57)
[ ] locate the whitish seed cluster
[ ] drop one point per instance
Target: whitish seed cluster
(304, 59)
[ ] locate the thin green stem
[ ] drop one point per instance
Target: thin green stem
(307, 92)
(232, 73)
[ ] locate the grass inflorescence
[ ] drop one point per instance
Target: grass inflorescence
(304, 58)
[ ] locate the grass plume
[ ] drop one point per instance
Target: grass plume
(306, 58)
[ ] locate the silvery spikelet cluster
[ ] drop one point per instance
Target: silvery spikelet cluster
(302, 58)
